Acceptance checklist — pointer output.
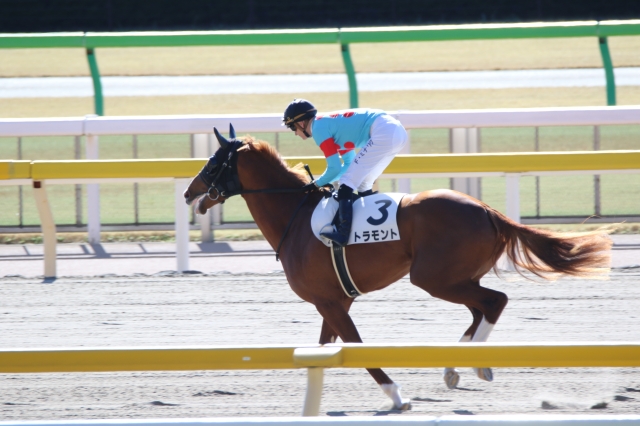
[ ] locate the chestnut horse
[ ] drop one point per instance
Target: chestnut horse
(448, 242)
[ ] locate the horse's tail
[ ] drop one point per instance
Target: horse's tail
(546, 253)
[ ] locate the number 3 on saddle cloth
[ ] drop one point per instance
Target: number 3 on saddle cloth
(374, 218)
(374, 221)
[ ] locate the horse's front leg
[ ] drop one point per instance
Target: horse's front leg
(327, 335)
(336, 320)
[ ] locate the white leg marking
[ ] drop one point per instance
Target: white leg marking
(451, 376)
(482, 335)
(483, 331)
(392, 390)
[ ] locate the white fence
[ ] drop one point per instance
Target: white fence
(463, 124)
(452, 420)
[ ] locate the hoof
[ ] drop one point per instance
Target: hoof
(406, 406)
(392, 390)
(451, 378)
(484, 374)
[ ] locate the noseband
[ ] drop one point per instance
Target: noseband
(223, 182)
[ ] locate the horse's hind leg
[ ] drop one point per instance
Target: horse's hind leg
(489, 303)
(478, 332)
(336, 320)
(451, 376)
(482, 335)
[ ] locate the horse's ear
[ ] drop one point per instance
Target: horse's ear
(232, 132)
(221, 139)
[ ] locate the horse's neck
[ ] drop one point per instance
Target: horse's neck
(271, 212)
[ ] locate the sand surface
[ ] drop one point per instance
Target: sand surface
(227, 309)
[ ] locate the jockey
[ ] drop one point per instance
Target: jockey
(377, 135)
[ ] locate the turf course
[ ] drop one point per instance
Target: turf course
(559, 196)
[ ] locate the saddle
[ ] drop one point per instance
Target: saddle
(374, 221)
(374, 218)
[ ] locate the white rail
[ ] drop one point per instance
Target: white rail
(452, 420)
(463, 122)
(247, 123)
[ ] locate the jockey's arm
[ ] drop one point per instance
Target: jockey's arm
(332, 172)
(347, 159)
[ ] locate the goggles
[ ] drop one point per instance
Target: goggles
(291, 126)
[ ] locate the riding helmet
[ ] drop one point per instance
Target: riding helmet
(298, 110)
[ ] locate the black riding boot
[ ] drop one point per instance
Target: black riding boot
(345, 215)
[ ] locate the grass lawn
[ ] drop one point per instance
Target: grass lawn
(324, 58)
(569, 195)
(559, 195)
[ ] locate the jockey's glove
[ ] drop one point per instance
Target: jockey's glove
(311, 186)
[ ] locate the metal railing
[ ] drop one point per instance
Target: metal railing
(509, 165)
(343, 36)
(317, 358)
(464, 131)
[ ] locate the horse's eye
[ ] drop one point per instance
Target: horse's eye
(211, 164)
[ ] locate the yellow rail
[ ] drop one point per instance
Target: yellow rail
(15, 170)
(521, 162)
(86, 360)
(492, 355)
(517, 162)
(345, 356)
(176, 168)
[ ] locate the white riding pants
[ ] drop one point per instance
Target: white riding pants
(388, 137)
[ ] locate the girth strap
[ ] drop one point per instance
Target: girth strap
(339, 259)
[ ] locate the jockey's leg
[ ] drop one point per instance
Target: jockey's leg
(345, 216)
(388, 138)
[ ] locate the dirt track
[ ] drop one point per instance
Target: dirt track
(261, 309)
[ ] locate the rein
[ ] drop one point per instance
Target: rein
(286, 230)
(231, 186)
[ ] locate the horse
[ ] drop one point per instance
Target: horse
(448, 242)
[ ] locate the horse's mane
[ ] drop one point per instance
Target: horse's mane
(296, 174)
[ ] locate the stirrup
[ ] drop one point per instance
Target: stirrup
(367, 193)
(337, 238)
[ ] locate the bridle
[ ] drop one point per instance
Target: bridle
(223, 181)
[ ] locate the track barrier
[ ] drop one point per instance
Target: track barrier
(462, 166)
(317, 358)
(90, 41)
(511, 165)
(481, 420)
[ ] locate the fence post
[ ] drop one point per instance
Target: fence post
(93, 194)
(98, 100)
(48, 226)
(313, 397)
(608, 70)
(513, 211)
(404, 184)
(465, 140)
(78, 188)
(596, 178)
(537, 148)
(513, 196)
(315, 359)
(351, 76)
(182, 226)
(201, 144)
(20, 191)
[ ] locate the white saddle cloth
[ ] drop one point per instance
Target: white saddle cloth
(374, 218)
